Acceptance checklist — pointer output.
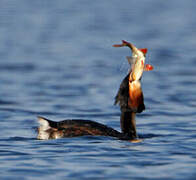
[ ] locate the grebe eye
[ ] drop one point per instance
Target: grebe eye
(135, 55)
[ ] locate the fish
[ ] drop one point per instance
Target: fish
(135, 100)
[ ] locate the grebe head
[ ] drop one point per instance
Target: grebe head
(135, 51)
(137, 60)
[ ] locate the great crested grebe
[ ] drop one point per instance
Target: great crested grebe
(129, 97)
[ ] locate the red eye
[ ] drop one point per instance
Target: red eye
(148, 67)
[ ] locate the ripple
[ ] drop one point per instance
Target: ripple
(51, 68)
(18, 68)
(12, 153)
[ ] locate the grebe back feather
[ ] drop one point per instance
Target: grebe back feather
(72, 128)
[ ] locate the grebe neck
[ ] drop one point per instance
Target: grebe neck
(128, 123)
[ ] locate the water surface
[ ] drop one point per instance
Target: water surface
(57, 61)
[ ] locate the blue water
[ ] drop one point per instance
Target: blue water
(57, 61)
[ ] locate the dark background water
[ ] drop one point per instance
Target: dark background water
(57, 60)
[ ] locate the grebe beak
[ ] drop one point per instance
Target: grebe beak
(132, 47)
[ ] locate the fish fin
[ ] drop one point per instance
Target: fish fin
(144, 50)
(148, 67)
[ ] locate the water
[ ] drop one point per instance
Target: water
(57, 61)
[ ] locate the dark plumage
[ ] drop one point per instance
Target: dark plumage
(72, 128)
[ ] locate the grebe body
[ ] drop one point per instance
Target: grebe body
(72, 128)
